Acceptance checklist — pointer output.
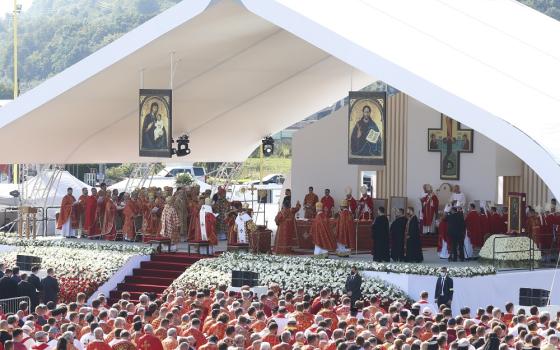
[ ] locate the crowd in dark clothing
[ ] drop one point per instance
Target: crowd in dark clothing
(13, 285)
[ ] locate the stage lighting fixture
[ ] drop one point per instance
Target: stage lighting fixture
(268, 146)
(182, 146)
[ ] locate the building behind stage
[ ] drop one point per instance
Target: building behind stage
(319, 159)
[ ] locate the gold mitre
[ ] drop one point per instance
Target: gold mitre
(344, 203)
(319, 206)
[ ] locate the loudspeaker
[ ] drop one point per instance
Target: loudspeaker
(533, 297)
(26, 262)
(244, 278)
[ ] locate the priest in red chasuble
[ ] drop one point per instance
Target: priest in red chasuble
(309, 204)
(352, 203)
(472, 222)
(430, 204)
(365, 205)
(64, 222)
(109, 230)
(285, 234)
(82, 202)
(345, 230)
(321, 233)
(90, 213)
(206, 230)
(149, 341)
(495, 224)
(328, 203)
(130, 211)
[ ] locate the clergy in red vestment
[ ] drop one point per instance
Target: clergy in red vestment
(472, 223)
(345, 231)
(321, 233)
(365, 205)
(90, 214)
(82, 200)
(484, 224)
(152, 213)
(130, 211)
(505, 220)
(149, 341)
(206, 230)
(430, 205)
(495, 225)
(309, 204)
(285, 233)
(194, 219)
(98, 343)
(170, 224)
(328, 203)
(64, 221)
(352, 203)
(444, 242)
(108, 229)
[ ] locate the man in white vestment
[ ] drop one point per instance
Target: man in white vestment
(206, 208)
(458, 198)
(240, 223)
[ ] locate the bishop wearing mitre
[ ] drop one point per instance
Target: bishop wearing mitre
(345, 231)
(244, 225)
(207, 225)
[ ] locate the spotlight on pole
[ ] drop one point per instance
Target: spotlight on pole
(182, 146)
(268, 146)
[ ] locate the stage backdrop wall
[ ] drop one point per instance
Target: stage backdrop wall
(319, 157)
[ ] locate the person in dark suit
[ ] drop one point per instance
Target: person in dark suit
(50, 287)
(353, 286)
(26, 289)
(1, 270)
(456, 229)
(34, 279)
(413, 245)
(15, 274)
(444, 289)
(397, 230)
(380, 236)
(8, 286)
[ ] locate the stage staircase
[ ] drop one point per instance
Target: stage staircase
(155, 275)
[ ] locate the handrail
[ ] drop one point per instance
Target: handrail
(11, 305)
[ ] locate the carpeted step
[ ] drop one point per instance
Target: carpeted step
(164, 265)
(156, 273)
(137, 287)
(149, 279)
(176, 258)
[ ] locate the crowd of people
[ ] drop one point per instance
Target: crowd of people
(183, 214)
(14, 284)
(218, 319)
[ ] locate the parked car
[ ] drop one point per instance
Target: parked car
(197, 172)
(269, 179)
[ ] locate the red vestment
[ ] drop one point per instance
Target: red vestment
(327, 313)
(352, 205)
(285, 234)
(65, 211)
(472, 222)
(198, 336)
(152, 214)
(124, 345)
(90, 221)
(194, 223)
(210, 225)
(443, 235)
(109, 230)
(345, 230)
(218, 329)
(328, 205)
(149, 342)
(365, 208)
(309, 202)
(321, 232)
(495, 224)
(130, 210)
(430, 204)
(98, 345)
(484, 226)
(82, 200)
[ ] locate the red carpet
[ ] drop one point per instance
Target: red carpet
(154, 275)
(429, 241)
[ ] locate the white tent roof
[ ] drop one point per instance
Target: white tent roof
(41, 181)
(252, 67)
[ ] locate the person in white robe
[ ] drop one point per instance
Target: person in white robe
(241, 225)
(458, 198)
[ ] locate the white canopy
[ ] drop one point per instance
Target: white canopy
(34, 189)
(244, 69)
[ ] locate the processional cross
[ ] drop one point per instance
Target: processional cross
(450, 140)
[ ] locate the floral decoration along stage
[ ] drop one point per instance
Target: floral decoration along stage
(79, 266)
(312, 274)
(518, 245)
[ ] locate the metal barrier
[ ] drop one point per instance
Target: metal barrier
(11, 305)
(530, 250)
(46, 219)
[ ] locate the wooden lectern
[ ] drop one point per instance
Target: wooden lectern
(27, 218)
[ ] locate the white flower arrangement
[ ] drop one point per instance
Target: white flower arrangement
(64, 243)
(519, 245)
(288, 272)
(81, 268)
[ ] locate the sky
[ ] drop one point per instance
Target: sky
(7, 6)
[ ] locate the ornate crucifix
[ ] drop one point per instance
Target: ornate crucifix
(450, 140)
